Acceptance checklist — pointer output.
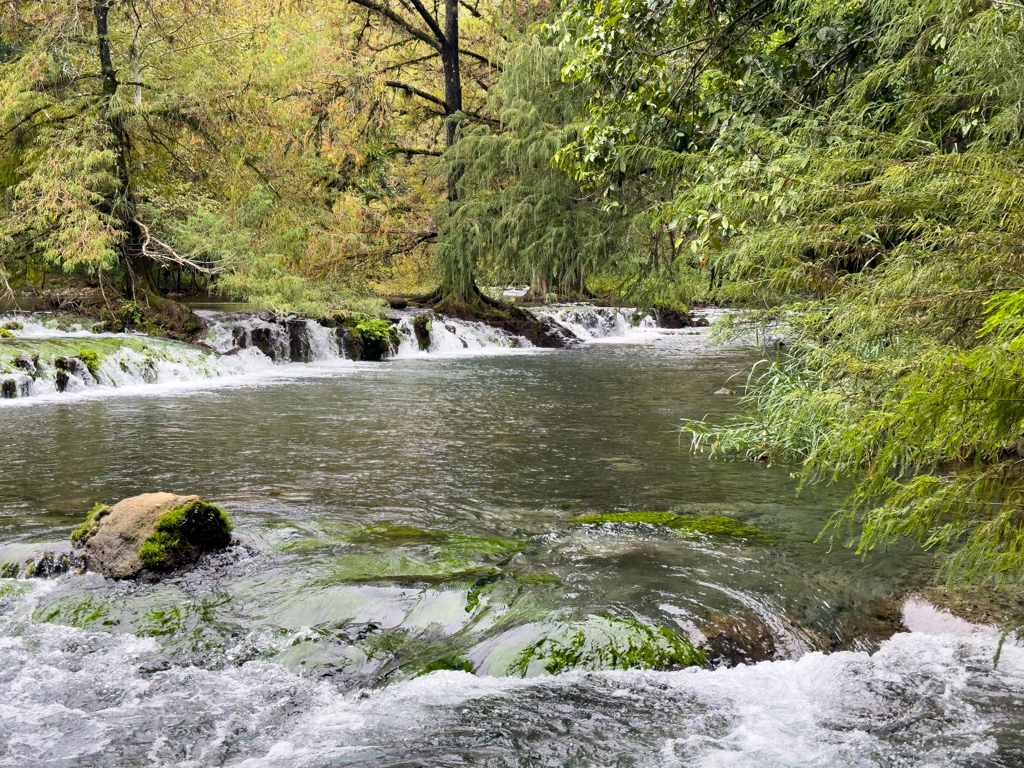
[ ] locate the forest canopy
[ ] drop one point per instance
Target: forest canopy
(848, 172)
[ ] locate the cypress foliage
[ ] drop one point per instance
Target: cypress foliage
(875, 213)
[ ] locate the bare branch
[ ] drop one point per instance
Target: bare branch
(164, 254)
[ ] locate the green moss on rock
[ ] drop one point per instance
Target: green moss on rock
(91, 358)
(5, 334)
(379, 338)
(81, 534)
(181, 532)
(13, 326)
(456, 663)
(647, 517)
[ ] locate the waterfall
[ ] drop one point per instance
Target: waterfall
(592, 323)
(449, 337)
(45, 354)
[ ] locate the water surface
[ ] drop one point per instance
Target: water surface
(410, 577)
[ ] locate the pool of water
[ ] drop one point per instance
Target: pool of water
(411, 588)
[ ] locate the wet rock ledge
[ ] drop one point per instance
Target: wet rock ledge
(149, 534)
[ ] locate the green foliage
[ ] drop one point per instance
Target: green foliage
(181, 532)
(875, 210)
(91, 358)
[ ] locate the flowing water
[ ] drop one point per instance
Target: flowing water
(411, 589)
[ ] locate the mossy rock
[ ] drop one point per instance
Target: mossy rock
(456, 662)
(153, 532)
(379, 338)
(421, 328)
(13, 326)
(707, 526)
(5, 334)
(91, 358)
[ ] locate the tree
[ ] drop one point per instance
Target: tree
(855, 167)
(75, 82)
(421, 35)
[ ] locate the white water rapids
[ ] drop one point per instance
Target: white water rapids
(73, 696)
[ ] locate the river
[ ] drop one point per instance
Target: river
(411, 589)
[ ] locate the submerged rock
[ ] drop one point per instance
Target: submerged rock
(42, 561)
(734, 640)
(151, 532)
(688, 524)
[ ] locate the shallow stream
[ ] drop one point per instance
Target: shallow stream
(411, 588)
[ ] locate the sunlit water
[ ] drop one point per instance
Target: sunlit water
(414, 515)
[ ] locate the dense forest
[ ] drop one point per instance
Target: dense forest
(848, 172)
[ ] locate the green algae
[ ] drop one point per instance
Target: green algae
(456, 662)
(539, 579)
(181, 533)
(5, 334)
(84, 613)
(404, 566)
(12, 589)
(608, 642)
(396, 534)
(688, 524)
(406, 553)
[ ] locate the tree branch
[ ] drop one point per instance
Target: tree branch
(416, 91)
(480, 57)
(399, 22)
(430, 20)
(164, 254)
(410, 151)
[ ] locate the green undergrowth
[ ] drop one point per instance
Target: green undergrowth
(607, 642)
(181, 533)
(688, 524)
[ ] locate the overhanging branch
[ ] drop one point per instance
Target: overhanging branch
(417, 92)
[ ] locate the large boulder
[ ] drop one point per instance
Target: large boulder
(151, 533)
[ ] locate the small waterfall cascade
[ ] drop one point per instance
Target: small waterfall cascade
(426, 333)
(592, 323)
(45, 353)
(288, 340)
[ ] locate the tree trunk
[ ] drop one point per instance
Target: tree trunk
(137, 280)
(450, 62)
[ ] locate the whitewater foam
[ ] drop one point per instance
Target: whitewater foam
(79, 697)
